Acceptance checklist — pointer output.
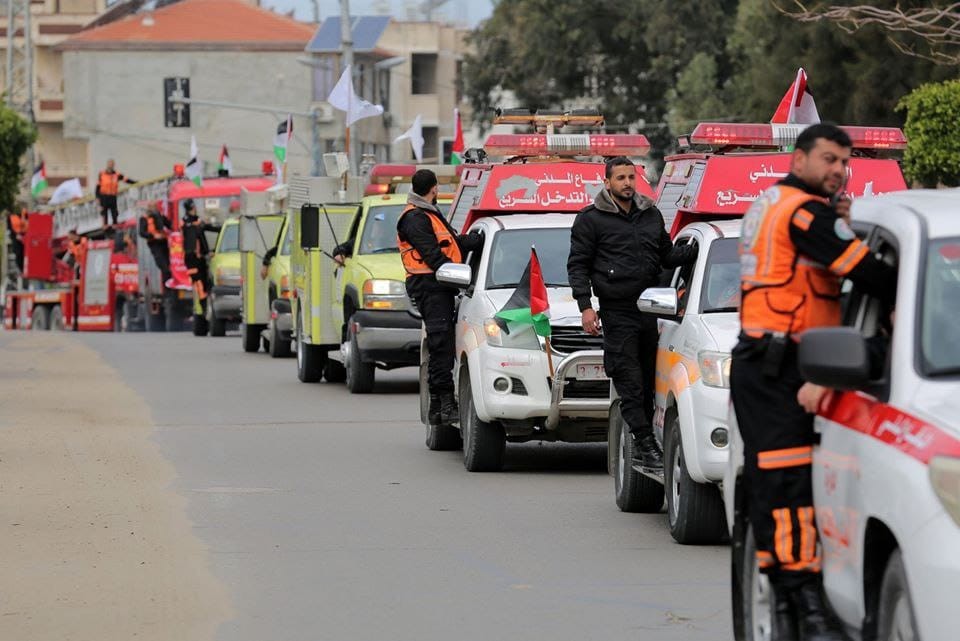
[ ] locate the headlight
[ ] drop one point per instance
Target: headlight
(227, 277)
(385, 294)
(945, 479)
(285, 286)
(714, 368)
(515, 336)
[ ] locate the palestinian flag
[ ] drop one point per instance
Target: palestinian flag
(194, 170)
(529, 304)
(456, 152)
(225, 164)
(797, 106)
(39, 181)
(284, 132)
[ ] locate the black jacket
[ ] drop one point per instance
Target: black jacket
(620, 254)
(415, 228)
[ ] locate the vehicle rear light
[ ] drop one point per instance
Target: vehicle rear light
(376, 189)
(178, 171)
(567, 145)
(765, 135)
(266, 168)
(945, 479)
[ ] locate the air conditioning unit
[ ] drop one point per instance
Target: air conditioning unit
(323, 111)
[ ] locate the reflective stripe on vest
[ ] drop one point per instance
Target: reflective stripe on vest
(109, 183)
(782, 291)
(413, 262)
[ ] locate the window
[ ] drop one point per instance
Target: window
(939, 309)
(324, 78)
(458, 81)
(383, 88)
(721, 279)
(683, 278)
(380, 230)
(423, 76)
(431, 141)
(510, 254)
(229, 239)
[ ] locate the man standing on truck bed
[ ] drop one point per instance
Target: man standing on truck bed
(153, 228)
(108, 185)
(618, 246)
(427, 241)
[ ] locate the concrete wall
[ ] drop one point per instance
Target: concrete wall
(114, 100)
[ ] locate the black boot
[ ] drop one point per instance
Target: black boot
(449, 411)
(433, 414)
(816, 621)
(784, 617)
(646, 452)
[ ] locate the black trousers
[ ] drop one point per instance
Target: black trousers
(199, 276)
(630, 359)
(109, 204)
(18, 252)
(437, 309)
(778, 440)
(161, 256)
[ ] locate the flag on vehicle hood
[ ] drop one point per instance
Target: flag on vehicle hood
(529, 304)
(797, 106)
(456, 151)
(282, 139)
(39, 181)
(194, 170)
(415, 135)
(344, 98)
(225, 164)
(66, 191)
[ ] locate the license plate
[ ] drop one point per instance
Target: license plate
(591, 372)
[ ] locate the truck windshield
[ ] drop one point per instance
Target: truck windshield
(510, 254)
(721, 279)
(229, 239)
(939, 329)
(380, 230)
(212, 207)
(287, 241)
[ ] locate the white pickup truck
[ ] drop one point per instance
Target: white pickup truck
(886, 474)
(504, 384)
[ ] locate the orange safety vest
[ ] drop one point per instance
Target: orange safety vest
(783, 291)
(78, 249)
(413, 262)
(18, 223)
(109, 183)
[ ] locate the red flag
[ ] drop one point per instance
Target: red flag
(539, 304)
(797, 105)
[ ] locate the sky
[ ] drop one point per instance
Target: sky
(467, 12)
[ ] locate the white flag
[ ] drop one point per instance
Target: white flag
(67, 191)
(344, 98)
(415, 135)
(194, 170)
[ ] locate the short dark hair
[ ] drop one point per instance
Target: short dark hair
(188, 204)
(423, 181)
(618, 161)
(807, 139)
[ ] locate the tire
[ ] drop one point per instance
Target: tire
(634, 491)
(40, 319)
(56, 319)
(756, 595)
(218, 326)
(440, 438)
(200, 325)
(360, 375)
(173, 321)
(250, 337)
(694, 510)
(310, 360)
(278, 347)
(155, 322)
(895, 617)
(483, 443)
(334, 371)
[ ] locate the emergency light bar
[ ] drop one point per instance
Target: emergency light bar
(771, 135)
(545, 118)
(567, 145)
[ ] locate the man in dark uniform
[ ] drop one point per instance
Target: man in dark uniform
(152, 227)
(196, 249)
(618, 246)
(794, 251)
(427, 241)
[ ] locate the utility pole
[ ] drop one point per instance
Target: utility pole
(19, 89)
(346, 47)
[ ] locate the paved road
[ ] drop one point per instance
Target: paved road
(325, 517)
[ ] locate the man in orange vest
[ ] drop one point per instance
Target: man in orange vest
(427, 241)
(17, 223)
(108, 185)
(76, 249)
(153, 227)
(794, 250)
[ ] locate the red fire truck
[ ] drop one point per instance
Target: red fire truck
(117, 286)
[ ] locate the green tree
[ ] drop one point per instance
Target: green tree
(933, 134)
(16, 136)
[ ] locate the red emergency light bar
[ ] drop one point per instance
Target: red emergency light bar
(567, 145)
(718, 134)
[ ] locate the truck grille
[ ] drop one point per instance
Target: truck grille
(573, 339)
(517, 387)
(573, 388)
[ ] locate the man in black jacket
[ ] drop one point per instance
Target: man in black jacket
(618, 246)
(427, 241)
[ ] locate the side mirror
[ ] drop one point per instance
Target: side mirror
(310, 227)
(661, 301)
(249, 234)
(834, 357)
(456, 274)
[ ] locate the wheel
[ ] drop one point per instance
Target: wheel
(483, 443)
(173, 320)
(310, 360)
(277, 347)
(250, 337)
(895, 617)
(439, 437)
(56, 319)
(218, 326)
(40, 320)
(156, 322)
(694, 510)
(360, 375)
(757, 594)
(635, 492)
(334, 371)
(200, 325)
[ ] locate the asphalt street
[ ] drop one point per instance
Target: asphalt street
(324, 516)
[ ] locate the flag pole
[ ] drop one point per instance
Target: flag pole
(546, 340)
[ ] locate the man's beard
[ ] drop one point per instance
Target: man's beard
(433, 201)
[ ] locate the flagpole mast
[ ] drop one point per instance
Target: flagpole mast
(346, 47)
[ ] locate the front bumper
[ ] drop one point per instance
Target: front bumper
(702, 409)
(391, 338)
(932, 560)
(226, 301)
